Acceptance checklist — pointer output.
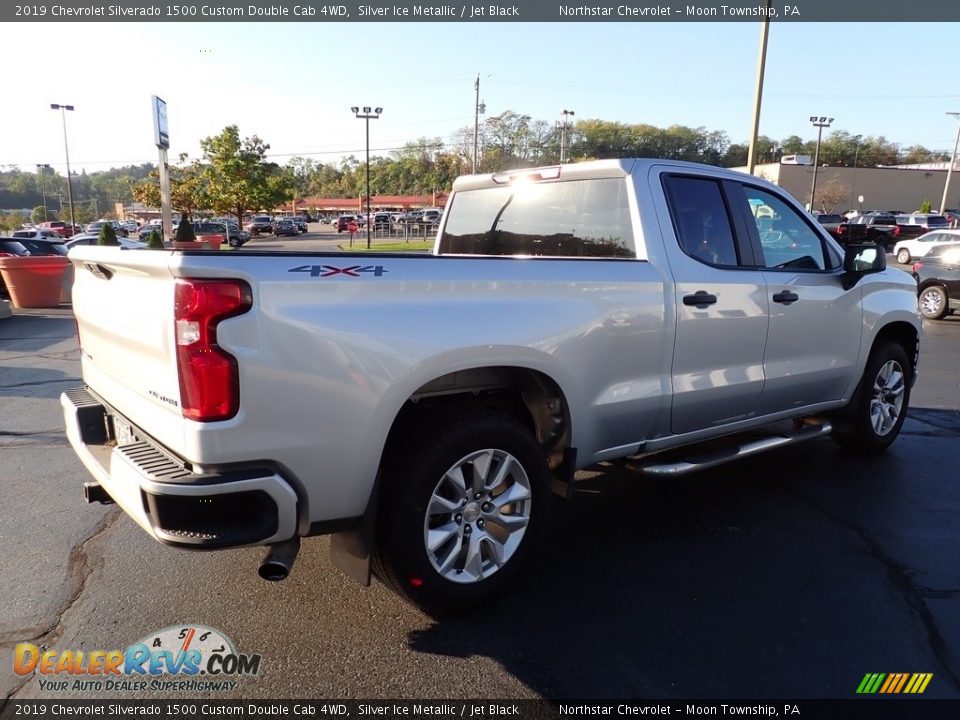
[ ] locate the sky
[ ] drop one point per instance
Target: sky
(293, 84)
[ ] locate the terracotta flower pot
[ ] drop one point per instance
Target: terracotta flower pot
(34, 281)
(212, 241)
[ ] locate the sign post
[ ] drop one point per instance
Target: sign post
(161, 138)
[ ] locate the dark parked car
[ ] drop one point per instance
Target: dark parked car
(301, 222)
(25, 246)
(94, 228)
(262, 224)
(286, 227)
(32, 246)
(343, 222)
(831, 223)
(938, 281)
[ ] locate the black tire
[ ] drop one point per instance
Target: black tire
(868, 423)
(234, 242)
(933, 303)
(439, 580)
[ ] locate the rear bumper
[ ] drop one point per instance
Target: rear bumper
(245, 506)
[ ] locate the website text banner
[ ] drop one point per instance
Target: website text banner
(518, 11)
(195, 708)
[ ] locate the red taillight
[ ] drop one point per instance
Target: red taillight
(209, 381)
(896, 231)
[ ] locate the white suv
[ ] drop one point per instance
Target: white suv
(907, 250)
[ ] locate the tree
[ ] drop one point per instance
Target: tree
(830, 194)
(108, 235)
(237, 177)
(154, 241)
(38, 215)
(188, 188)
(926, 206)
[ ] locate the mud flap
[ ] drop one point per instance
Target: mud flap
(350, 549)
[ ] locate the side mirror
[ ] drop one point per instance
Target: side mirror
(860, 260)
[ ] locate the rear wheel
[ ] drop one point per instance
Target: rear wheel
(933, 303)
(903, 256)
(462, 508)
(234, 242)
(879, 405)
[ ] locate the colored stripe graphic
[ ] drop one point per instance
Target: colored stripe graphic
(894, 683)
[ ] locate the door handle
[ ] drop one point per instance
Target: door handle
(700, 299)
(786, 297)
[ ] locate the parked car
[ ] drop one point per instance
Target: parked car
(262, 224)
(301, 222)
(34, 245)
(130, 226)
(286, 227)
(380, 221)
(94, 228)
(38, 234)
(907, 250)
(64, 229)
(927, 221)
(343, 222)
(831, 223)
(938, 281)
(431, 216)
(90, 239)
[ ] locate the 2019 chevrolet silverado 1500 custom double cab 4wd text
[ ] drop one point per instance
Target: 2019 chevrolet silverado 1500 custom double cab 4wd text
(425, 409)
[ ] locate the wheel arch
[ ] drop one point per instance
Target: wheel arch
(530, 395)
(907, 336)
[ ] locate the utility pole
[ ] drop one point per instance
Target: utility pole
(43, 189)
(953, 161)
(563, 134)
(476, 123)
(820, 123)
(758, 91)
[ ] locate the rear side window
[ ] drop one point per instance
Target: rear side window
(701, 221)
(573, 218)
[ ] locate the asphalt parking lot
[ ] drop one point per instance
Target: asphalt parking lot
(789, 575)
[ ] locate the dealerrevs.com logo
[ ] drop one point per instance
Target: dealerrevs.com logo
(189, 658)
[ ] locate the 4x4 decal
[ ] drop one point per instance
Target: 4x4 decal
(330, 270)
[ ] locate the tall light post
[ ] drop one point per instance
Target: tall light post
(758, 90)
(367, 115)
(820, 123)
(563, 134)
(43, 188)
(953, 161)
(66, 151)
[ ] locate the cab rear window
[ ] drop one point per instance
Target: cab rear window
(574, 218)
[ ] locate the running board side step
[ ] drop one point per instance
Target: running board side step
(708, 458)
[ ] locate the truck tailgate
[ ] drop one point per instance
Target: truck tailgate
(123, 301)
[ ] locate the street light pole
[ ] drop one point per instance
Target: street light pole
(953, 161)
(820, 123)
(66, 151)
(563, 135)
(43, 189)
(758, 91)
(367, 115)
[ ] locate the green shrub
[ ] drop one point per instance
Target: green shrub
(154, 241)
(108, 236)
(926, 206)
(185, 231)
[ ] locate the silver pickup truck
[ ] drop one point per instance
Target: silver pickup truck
(426, 410)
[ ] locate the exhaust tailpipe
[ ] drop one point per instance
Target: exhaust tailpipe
(279, 559)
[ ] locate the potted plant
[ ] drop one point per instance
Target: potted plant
(35, 281)
(154, 241)
(108, 235)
